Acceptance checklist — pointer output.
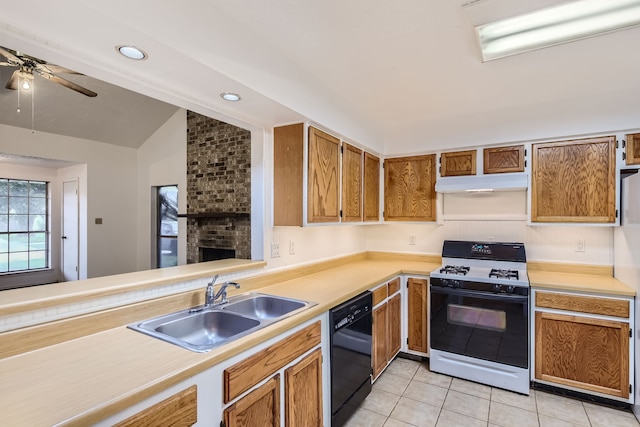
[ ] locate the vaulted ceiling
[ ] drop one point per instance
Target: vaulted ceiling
(398, 76)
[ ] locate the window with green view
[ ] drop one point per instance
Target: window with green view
(23, 225)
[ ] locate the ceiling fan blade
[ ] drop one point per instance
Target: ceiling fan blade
(67, 83)
(10, 56)
(56, 69)
(6, 64)
(13, 81)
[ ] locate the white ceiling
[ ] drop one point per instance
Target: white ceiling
(397, 76)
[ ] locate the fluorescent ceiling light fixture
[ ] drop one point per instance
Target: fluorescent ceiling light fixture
(229, 96)
(132, 52)
(555, 25)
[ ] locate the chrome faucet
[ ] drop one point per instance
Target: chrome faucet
(210, 298)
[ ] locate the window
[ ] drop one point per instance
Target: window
(167, 220)
(24, 219)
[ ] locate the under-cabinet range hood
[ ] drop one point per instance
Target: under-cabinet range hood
(482, 183)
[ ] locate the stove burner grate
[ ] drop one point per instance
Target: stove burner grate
(504, 274)
(455, 269)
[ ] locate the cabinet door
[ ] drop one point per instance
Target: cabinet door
(409, 188)
(574, 181)
(351, 183)
(587, 353)
(323, 180)
(632, 152)
(179, 410)
(371, 187)
(303, 392)
(288, 166)
(417, 299)
(261, 407)
(379, 356)
(458, 163)
(394, 330)
(504, 159)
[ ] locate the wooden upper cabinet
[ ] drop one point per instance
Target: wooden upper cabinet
(288, 169)
(371, 194)
(458, 163)
(409, 188)
(632, 154)
(351, 183)
(574, 181)
(503, 159)
(323, 201)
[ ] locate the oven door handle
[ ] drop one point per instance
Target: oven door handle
(484, 295)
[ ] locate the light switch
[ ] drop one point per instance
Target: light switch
(98, 220)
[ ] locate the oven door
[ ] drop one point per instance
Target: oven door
(481, 325)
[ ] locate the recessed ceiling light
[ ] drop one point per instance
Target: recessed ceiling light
(131, 52)
(229, 96)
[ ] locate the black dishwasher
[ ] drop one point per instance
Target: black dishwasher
(350, 356)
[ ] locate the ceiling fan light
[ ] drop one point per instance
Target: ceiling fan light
(26, 85)
(230, 96)
(131, 52)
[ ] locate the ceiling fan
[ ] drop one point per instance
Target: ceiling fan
(28, 66)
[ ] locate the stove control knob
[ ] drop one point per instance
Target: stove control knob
(510, 289)
(497, 288)
(455, 284)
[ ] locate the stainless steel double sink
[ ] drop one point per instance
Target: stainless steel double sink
(202, 328)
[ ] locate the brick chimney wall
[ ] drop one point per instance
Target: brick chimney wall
(218, 187)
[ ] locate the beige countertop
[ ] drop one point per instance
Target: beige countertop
(554, 280)
(79, 382)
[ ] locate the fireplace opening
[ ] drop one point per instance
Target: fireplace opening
(213, 254)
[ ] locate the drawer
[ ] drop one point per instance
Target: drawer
(393, 286)
(247, 373)
(583, 304)
(379, 295)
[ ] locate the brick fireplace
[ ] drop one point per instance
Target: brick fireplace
(218, 190)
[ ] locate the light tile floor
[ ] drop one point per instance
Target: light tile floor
(408, 394)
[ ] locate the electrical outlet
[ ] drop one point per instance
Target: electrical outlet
(580, 245)
(275, 250)
(292, 247)
(412, 240)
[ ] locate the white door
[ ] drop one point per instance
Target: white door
(70, 230)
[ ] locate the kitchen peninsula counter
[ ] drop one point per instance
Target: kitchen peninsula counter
(79, 382)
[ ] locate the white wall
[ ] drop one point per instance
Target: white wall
(553, 243)
(162, 160)
(111, 192)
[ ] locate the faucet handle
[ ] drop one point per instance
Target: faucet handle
(213, 281)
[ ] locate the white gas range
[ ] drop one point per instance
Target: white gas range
(479, 318)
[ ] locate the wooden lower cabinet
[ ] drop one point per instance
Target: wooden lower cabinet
(303, 392)
(387, 327)
(379, 355)
(253, 402)
(179, 410)
(261, 407)
(418, 327)
(395, 328)
(582, 352)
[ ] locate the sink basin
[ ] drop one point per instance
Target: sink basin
(202, 328)
(206, 328)
(265, 306)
